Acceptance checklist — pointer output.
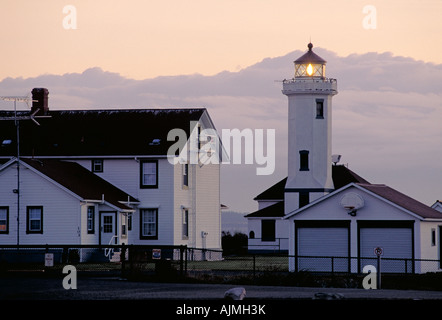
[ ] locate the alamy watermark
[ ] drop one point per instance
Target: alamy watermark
(70, 281)
(70, 19)
(369, 22)
(204, 146)
(370, 280)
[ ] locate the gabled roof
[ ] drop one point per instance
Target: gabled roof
(97, 132)
(384, 193)
(341, 176)
(275, 192)
(403, 200)
(275, 211)
(81, 181)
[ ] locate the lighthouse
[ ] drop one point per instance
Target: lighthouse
(310, 95)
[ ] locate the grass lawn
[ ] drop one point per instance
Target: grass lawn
(244, 263)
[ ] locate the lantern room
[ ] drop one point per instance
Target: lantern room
(310, 65)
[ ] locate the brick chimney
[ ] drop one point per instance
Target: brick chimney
(40, 101)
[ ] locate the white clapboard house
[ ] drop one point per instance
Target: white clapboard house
(323, 209)
(108, 177)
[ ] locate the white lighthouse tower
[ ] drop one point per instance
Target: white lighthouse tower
(309, 131)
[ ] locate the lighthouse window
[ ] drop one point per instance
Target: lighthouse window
(304, 199)
(319, 109)
(303, 159)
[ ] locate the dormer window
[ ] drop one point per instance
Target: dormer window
(97, 165)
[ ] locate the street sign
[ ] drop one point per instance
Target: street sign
(378, 251)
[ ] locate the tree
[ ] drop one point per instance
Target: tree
(234, 245)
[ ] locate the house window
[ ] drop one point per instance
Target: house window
(268, 230)
(303, 159)
(34, 220)
(433, 237)
(4, 219)
(319, 109)
(129, 222)
(185, 223)
(304, 199)
(185, 175)
(90, 219)
(149, 174)
(97, 165)
(149, 224)
(124, 225)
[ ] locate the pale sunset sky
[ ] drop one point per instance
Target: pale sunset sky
(386, 55)
(142, 39)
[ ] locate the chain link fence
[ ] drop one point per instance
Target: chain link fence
(139, 260)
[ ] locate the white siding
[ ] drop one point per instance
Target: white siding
(61, 210)
(208, 210)
(122, 173)
(161, 198)
(182, 200)
(125, 174)
(428, 250)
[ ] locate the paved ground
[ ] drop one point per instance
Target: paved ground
(115, 298)
(33, 288)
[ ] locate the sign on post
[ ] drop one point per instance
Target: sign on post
(378, 251)
(156, 253)
(49, 259)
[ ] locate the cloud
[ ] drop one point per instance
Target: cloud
(386, 117)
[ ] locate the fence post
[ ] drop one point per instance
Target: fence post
(413, 263)
(185, 259)
(378, 272)
(254, 266)
(123, 260)
(181, 260)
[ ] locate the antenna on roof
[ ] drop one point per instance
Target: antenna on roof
(336, 158)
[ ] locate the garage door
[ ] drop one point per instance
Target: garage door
(397, 245)
(323, 249)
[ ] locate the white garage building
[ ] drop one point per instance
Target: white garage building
(349, 223)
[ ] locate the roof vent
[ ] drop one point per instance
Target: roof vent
(155, 142)
(6, 142)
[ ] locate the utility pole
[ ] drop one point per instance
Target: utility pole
(17, 125)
